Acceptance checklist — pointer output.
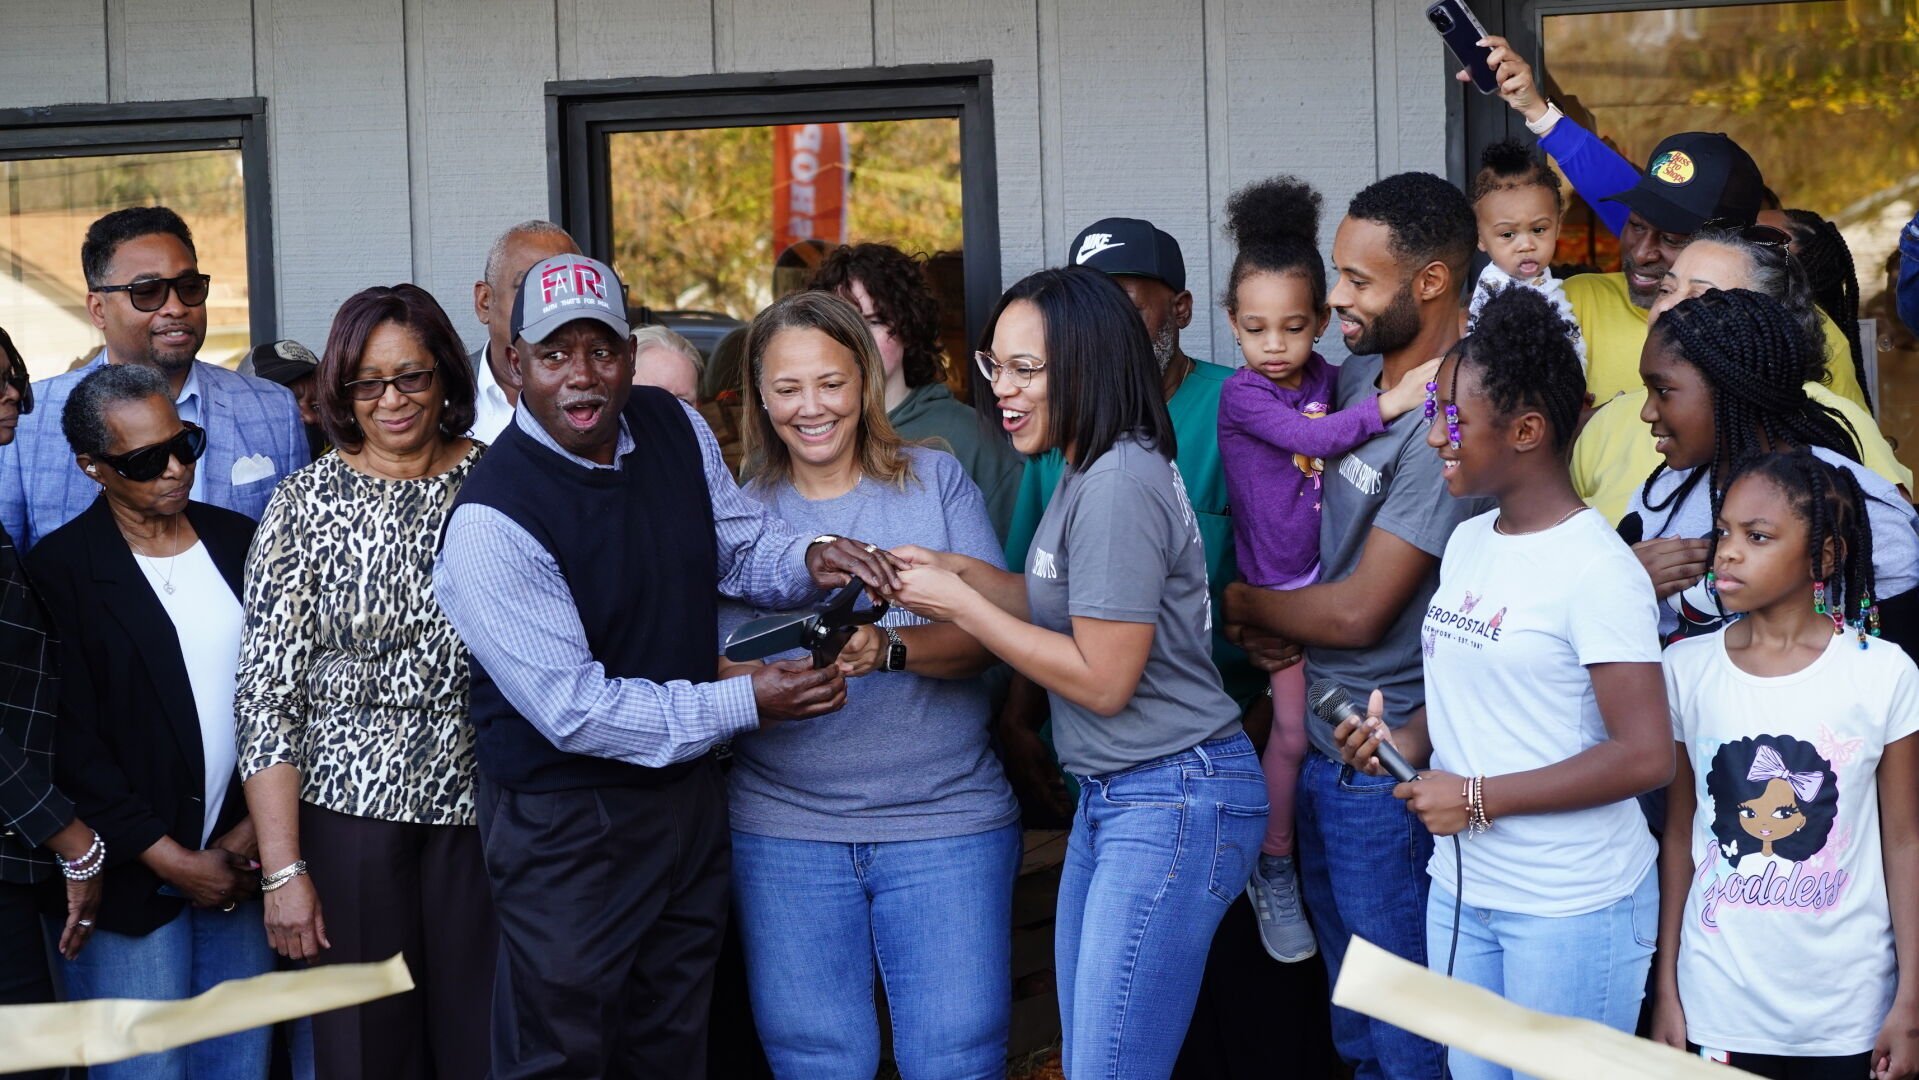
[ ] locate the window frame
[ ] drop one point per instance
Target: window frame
(581, 114)
(158, 127)
(1475, 121)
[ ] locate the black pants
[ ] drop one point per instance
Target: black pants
(612, 906)
(1800, 1068)
(24, 978)
(396, 887)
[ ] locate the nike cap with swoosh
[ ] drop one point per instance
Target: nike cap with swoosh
(1130, 246)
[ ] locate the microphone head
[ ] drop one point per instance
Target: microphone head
(1329, 701)
(1632, 529)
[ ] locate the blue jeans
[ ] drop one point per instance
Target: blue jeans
(1590, 966)
(936, 914)
(195, 952)
(1362, 869)
(1157, 854)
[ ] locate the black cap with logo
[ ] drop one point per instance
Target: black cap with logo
(1695, 177)
(1129, 246)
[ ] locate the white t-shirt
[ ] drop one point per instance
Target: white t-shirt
(1508, 637)
(1788, 951)
(206, 618)
(1694, 611)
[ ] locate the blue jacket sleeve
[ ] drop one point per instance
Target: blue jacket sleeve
(1595, 169)
(1909, 275)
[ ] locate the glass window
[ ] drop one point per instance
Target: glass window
(49, 204)
(1823, 94)
(725, 219)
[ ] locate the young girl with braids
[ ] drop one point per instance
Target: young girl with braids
(1544, 698)
(1275, 429)
(1789, 930)
(1725, 375)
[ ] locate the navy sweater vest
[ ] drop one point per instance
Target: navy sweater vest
(636, 546)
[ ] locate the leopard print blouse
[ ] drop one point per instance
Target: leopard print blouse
(348, 670)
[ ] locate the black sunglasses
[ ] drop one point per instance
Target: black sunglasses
(406, 382)
(151, 293)
(148, 462)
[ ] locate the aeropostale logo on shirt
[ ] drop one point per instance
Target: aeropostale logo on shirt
(1466, 624)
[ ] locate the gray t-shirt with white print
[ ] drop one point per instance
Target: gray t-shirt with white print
(1390, 482)
(1119, 542)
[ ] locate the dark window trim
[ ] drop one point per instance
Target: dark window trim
(158, 127)
(581, 114)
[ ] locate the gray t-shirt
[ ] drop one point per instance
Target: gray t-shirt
(1391, 482)
(908, 757)
(1119, 542)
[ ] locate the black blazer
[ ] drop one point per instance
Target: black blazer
(127, 749)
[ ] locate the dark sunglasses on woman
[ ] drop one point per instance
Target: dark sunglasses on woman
(150, 294)
(148, 462)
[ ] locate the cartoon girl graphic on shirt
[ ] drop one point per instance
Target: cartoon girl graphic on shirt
(1772, 795)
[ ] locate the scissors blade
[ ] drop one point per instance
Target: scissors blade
(767, 636)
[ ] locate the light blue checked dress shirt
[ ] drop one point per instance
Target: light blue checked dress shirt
(505, 595)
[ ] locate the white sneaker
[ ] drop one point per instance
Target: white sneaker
(1283, 929)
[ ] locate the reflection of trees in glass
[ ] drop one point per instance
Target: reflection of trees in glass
(193, 182)
(693, 210)
(1825, 95)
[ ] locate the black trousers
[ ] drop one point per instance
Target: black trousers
(1772, 1067)
(612, 906)
(397, 887)
(24, 977)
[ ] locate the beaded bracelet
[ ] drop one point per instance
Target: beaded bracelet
(87, 866)
(1477, 821)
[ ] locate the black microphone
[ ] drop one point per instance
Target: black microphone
(1331, 703)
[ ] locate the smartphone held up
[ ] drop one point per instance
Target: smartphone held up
(1462, 32)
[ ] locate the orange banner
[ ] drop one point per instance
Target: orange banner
(809, 184)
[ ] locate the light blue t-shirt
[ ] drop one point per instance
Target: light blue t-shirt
(908, 757)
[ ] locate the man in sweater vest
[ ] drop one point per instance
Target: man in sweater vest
(581, 566)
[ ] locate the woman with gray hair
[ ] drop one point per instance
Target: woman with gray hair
(144, 590)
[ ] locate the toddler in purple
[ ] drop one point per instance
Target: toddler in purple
(1276, 431)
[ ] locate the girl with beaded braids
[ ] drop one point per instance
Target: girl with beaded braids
(1724, 373)
(1544, 699)
(1276, 428)
(1790, 867)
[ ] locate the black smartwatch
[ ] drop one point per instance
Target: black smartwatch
(894, 658)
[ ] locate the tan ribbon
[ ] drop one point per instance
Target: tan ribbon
(97, 1032)
(1480, 1022)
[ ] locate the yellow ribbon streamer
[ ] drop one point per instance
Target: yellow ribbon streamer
(114, 1029)
(1480, 1022)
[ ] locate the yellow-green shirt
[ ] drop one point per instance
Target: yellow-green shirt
(1615, 333)
(1614, 454)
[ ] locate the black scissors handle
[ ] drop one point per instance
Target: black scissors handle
(838, 620)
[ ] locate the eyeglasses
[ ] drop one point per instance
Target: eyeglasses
(148, 462)
(151, 294)
(406, 382)
(1022, 373)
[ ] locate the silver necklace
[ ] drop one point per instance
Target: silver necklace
(166, 579)
(1567, 516)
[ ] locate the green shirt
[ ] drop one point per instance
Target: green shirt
(1195, 413)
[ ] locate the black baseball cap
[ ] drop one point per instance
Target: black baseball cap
(1130, 246)
(284, 362)
(1695, 177)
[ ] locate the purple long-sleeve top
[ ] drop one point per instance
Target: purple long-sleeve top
(1272, 445)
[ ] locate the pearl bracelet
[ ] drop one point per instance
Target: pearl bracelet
(87, 866)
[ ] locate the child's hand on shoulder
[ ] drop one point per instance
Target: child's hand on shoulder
(1408, 393)
(1895, 1054)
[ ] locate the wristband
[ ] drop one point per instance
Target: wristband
(280, 877)
(1544, 125)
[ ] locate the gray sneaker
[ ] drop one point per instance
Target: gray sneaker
(1274, 891)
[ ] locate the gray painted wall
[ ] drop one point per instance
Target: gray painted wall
(406, 133)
